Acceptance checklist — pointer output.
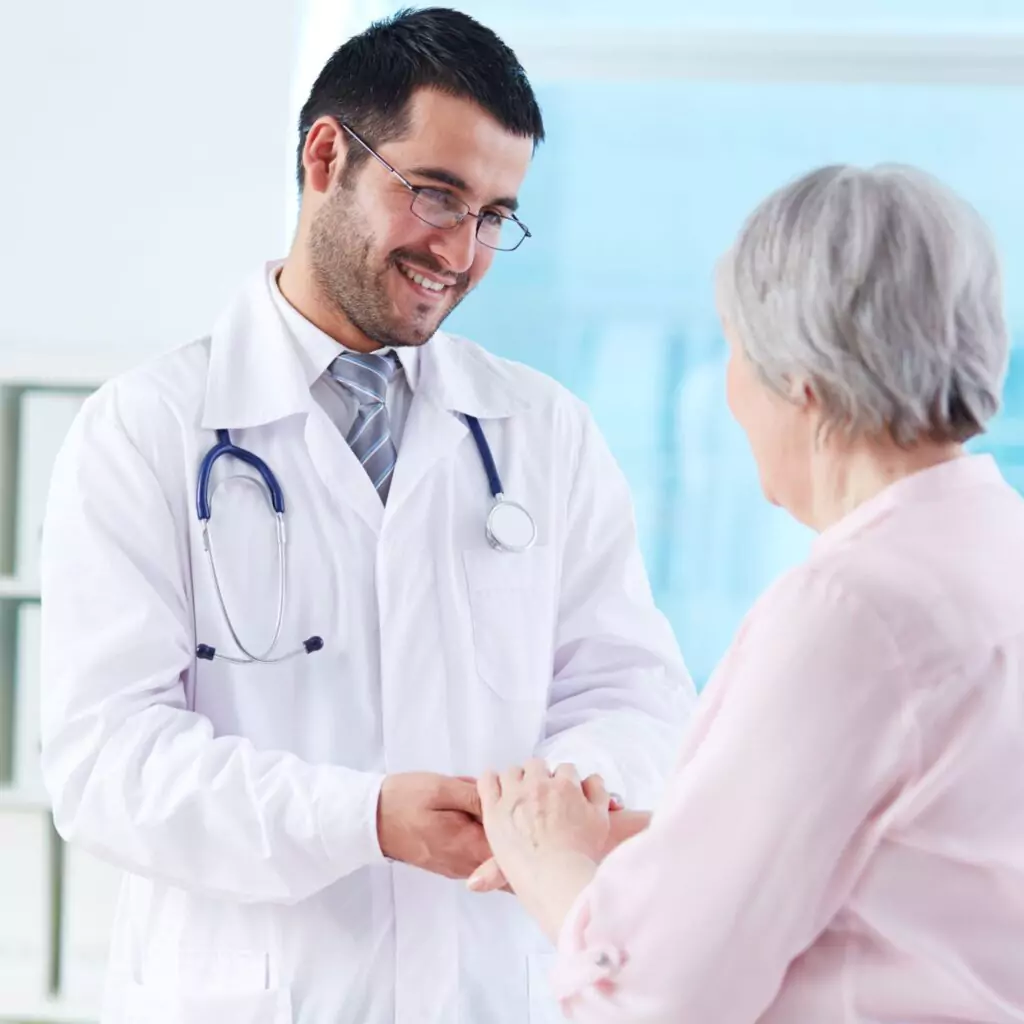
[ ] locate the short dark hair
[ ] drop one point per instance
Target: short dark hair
(370, 79)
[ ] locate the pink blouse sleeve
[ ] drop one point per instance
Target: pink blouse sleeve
(801, 738)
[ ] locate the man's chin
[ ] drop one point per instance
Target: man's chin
(412, 335)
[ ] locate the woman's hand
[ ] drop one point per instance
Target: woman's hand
(547, 833)
(624, 825)
(528, 813)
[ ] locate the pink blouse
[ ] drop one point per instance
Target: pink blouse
(843, 839)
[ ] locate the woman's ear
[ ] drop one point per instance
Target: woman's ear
(802, 393)
(799, 391)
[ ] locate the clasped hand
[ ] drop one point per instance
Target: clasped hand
(487, 830)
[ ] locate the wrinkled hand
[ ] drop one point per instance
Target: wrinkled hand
(432, 822)
(623, 824)
(529, 812)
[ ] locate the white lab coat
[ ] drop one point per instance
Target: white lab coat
(241, 800)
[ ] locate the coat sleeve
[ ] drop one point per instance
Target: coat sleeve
(136, 777)
(621, 692)
(804, 743)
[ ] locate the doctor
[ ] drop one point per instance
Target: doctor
(306, 578)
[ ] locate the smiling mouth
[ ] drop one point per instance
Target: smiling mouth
(428, 283)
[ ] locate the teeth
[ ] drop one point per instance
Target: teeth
(433, 286)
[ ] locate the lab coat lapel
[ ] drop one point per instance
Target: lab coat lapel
(455, 379)
(339, 470)
(256, 374)
(431, 434)
(259, 376)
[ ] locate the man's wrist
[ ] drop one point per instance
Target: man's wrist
(381, 831)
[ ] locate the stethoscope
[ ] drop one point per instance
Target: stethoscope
(509, 528)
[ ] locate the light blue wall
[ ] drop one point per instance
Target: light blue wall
(778, 13)
(637, 190)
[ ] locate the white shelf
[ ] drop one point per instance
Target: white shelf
(14, 588)
(14, 799)
(26, 808)
(45, 1011)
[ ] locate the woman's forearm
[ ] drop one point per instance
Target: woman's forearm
(550, 889)
(625, 825)
(558, 879)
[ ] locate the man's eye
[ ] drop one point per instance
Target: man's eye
(444, 200)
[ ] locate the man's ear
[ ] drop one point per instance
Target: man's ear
(323, 154)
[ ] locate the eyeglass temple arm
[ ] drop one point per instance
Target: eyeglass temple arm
(376, 156)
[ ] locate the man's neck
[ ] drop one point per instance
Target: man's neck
(299, 290)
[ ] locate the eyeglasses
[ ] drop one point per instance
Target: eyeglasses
(441, 209)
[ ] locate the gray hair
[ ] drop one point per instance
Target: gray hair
(882, 290)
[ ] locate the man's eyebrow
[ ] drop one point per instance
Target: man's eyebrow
(443, 177)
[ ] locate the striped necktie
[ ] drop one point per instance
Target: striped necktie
(367, 376)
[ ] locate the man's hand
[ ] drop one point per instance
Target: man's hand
(432, 822)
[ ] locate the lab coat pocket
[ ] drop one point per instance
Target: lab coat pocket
(511, 603)
(143, 1004)
(544, 1008)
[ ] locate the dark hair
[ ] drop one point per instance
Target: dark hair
(369, 81)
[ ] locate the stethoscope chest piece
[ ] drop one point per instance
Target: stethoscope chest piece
(510, 527)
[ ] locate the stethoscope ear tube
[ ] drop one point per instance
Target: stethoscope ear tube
(205, 652)
(225, 447)
(493, 480)
(509, 528)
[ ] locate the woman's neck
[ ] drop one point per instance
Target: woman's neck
(842, 478)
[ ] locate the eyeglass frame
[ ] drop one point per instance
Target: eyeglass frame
(417, 190)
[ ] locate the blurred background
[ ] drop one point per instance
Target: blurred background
(146, 167)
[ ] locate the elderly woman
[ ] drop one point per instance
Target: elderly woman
(843, 839)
